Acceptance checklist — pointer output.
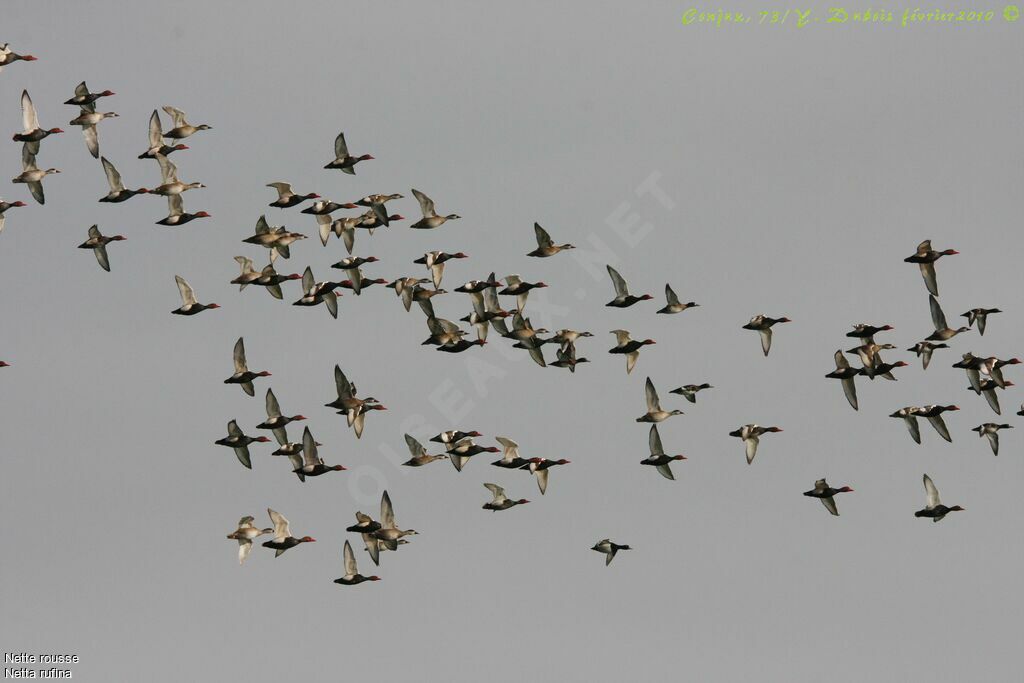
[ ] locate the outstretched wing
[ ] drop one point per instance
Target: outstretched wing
(113, 177)
(188, 295)
(543, 238)
(654, 441)
(426, 204)
(620, 285)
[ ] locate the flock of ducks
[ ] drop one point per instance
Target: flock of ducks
(488, 313)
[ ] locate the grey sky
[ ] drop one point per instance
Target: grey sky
(802, 166)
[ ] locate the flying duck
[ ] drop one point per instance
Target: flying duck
(762, 324)
(118, 193)
(312, 464)
(990, 430)
(242, 375)
(500, 501)
(924, 350)
(283, 539)
(239, 442)
(88, 119)
(926, 257)
(32, 133)
(98, 243)
(181, 128)
(315, 293)
(419, 453)
(609, 549)
(545, 246)
(276, 239)
(628, 347)
(286, 198)
(176, 214)
(343, 161)
(623, 299)
(540, 467)
(352, 575)
(673, 304)
(934, 508)
(189, 305)
(244, 534)
(276, 422)
(751, 435)
(980, 316)
(32, 175)
(689, 391)
(825, 493)
(169, 183)
(8, 56)
(657, 458)
(845, 373)
(430, 219)
(933, 413)
(654, 412)
(389, 534)
(943, 332)
(156, 140)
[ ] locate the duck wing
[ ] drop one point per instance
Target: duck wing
(284, 190)
(938, 317)
(156, 134)
(387, 512)
(830, 505)
(309, 452)
(29, 119)
(670, 296)
(242, 453)
(654, 441)
(928, 273)
(340, 148)
(940, 426)
(511, 448)
(543, 238)
(238, 355)
(350, 560)
(621, 290)
(342, 384)
(188, 295)
(415, 447)
(282, 529)
(273, 408)
(913, 427)
(542, 480)
(750, 443)
(993, 441)
(426, 204)
(101, 256)
(631, 359)
(931, 492)
(244, 548)
(113, 177)
(92, 141)
(497, 492)
(176, 114)
(372, 547)
(653, 404)
(175, 205)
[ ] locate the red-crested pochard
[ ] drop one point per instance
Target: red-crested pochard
(98, 243)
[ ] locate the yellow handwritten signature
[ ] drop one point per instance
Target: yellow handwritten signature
(910, 16)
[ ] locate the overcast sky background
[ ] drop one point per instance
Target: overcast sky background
(800, 168)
